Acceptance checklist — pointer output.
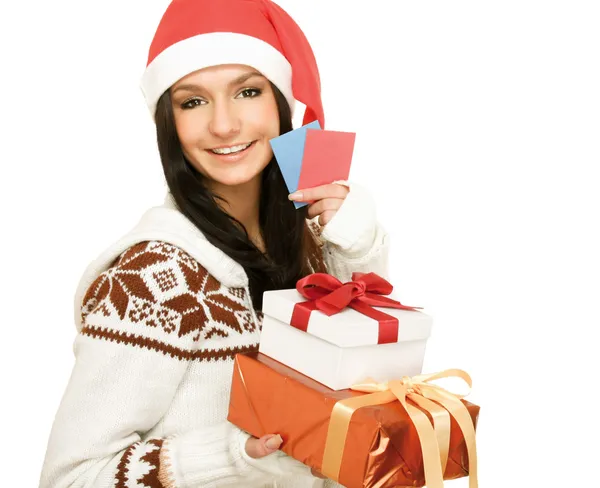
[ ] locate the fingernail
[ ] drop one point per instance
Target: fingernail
(297, 195)
(274, 442)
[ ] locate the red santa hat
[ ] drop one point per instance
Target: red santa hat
(195, 34)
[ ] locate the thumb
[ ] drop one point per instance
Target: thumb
(267, 444)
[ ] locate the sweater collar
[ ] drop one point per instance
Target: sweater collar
(218, 264)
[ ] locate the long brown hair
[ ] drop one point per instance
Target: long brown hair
(292, 251)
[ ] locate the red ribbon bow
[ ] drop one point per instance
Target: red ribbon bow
(329, 295)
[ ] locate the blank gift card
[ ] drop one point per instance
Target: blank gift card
(327, 157)
(289, 151)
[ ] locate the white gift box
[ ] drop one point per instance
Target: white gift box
(341, 350)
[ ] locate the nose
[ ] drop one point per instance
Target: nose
(225, 122)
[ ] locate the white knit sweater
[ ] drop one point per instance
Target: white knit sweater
(160, 316)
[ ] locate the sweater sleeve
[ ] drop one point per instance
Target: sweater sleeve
(129, 362)
(353, 241)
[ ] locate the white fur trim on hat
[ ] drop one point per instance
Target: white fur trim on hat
(214, 49)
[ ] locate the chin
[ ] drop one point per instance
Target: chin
(234, 178)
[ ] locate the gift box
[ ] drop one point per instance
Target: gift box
(344, 332)
(379, 446)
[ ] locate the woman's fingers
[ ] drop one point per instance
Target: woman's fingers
(326, 217)
(326, 200)
(321, 206)
(267, 444)
(332, 190)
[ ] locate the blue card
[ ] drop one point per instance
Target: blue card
(289, 151)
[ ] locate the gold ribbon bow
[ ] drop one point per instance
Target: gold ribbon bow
(435, 440)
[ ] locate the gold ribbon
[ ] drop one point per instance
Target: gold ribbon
(434, 439)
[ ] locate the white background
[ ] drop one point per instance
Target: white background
(477, 132)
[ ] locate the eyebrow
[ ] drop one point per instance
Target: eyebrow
(237, 81)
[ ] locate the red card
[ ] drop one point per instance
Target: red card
(327, 157)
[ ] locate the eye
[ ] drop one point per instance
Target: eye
(192, 102)
(249, 93)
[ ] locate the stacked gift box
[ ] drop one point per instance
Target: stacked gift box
(339, 376)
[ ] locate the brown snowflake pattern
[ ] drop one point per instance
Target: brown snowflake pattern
(160, 286)
(151, 460)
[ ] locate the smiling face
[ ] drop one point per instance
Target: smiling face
(225, 116)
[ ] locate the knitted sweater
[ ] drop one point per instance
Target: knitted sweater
(160, 316)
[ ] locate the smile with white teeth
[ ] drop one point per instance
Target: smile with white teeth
(230, 150)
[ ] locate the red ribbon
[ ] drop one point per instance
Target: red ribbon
(329, 295)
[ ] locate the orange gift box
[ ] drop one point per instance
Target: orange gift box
(382, 446)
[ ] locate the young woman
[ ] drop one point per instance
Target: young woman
(162, 312)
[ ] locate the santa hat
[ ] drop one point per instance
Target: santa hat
(195, 34)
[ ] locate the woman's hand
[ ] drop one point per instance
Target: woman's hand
(268, 444)
(326, 200)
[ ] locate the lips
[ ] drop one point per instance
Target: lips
(230, 149)
(231, 157)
